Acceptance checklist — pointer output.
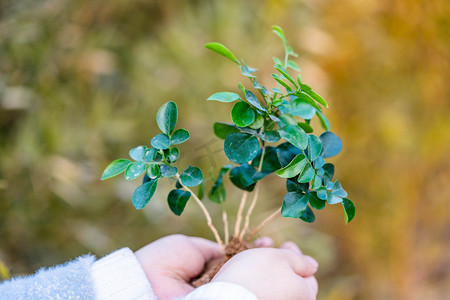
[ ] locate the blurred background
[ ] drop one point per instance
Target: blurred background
(80, 83)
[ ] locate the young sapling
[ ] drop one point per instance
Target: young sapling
(269, 133)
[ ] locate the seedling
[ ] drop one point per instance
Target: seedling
(269, 133)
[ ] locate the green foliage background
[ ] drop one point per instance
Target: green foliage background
(80, 83)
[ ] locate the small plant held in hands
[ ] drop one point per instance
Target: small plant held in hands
(269, 133)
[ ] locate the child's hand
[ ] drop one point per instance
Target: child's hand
(171, 262)
(273, 273)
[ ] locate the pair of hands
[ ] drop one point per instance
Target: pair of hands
(270, 273)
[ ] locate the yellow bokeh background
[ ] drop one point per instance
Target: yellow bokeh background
(80, 83)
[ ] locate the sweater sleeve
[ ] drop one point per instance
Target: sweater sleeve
(68, 281)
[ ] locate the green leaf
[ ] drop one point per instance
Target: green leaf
(161, 141)
(314, 201)
(134, 170)
(150, 154)
(317, 182)
(219, 179)
(349, 210)
(168, 171)
(302, 108)
(319, 162)
(243, 177)
(218, 195)
(307, 173)
(241, 147)
(242, 114)
(304, 96)
(317, 97)
(144, 193)
(247, 71)
(337, 190)
(153, 171)
(294, 167)
(308, 215)
(331, 144)
(225, 97)
(222, 50)
(329, 170)
(270, 161)
(258, 123)
(314, 147)
(179, 136)
(280, 81)
(270, 136)
(285, 74)
(323, 120)
(138, 153)
(294, 203)
(192, 176)
(291, 64)
(173, 154)
(201, 190)
(280, 33)
(306, 127)
(167, 117)
(222, 130)
(115, 168)
(286, 152)
(322, 193)
(177, 200)
(295, 135)
(251, 98)
(277, 61)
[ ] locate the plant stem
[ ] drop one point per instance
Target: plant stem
(237, 227)
(255, 199)
(225, 225)
(205, 212)
(257, 229)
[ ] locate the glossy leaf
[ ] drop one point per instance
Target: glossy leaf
(302, 108)
(314, 201)
(258, 123)
(144, 193)
(294, 203)
(153, 171)
(322, 193)
(331, 144)
(251, 98)
(349, 210)
(222, 130)
(285, 74)
(179, 136)
(295, 135)
(150, 154)
(138, 153)
(308, 215)
(222, 50)
(307, 173)
(304, 96)
(192, 176)
(218, 195)
(314, 147)
(167, 117)
(317, 97)
(241, 147)
(334, 199)
(173, 154)
(270, 161)
(224, 97)
(329, 170)
(337, 190)
(280, 81)
(168, 171)
(319, 162)
(306, 127)
(286, 152)
(242, 114)
(323, 120)
(294, 167)
(177, 200)
(134, 170)
(317, 182)
(115, 168)
(243, 177)
(161, 141)
(270, 136)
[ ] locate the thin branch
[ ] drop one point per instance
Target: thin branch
(225, 225)
(257, 229)
(255, 199)
(237, 227)
(205, 212)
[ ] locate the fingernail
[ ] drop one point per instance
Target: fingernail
(314, 264)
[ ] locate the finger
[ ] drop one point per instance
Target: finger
(264, 242)
(311, 281)
(207, 248)
(302, 265)
(291, 246)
